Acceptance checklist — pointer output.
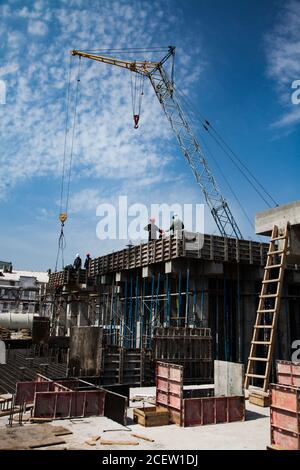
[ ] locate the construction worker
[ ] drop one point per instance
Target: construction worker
(153, 229)
(87, 261)
(77, 262)
(176, 227)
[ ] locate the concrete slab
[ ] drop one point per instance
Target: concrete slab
(252, 434)
(280, 216)
(265, 220)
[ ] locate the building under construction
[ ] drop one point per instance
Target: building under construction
(184, 309)
(145, 296)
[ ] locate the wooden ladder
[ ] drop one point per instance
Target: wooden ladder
(263, 340)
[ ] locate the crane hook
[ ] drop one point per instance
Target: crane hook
(136, 118)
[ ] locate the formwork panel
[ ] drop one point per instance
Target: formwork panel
(208, 409)
(78, 404)
(214, 410)
(285, 398)
(288, 373)
(286, 420)
(192, 351)
(70, 404)
(236, 408)
(221, 408)
(94, 404)
(25, 391)
(62, 405)
(286, 439)
(44, 405)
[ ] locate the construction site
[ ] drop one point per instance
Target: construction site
(187, 341)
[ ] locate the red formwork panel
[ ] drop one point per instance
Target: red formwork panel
(285, 416)
(42, 378)
(169, 389)
(193, 411)
(285, 398)
(286, 439)
(69, 404)
(285, 420)
(213, 410)
(288, 373)
(25, 391)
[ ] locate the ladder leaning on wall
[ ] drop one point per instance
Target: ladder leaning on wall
(264, 333)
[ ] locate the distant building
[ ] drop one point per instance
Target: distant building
(22, 291)
(5, 266)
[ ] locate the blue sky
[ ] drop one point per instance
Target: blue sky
(235, 59)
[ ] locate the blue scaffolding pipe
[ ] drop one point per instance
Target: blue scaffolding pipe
(130, 311)
(165, 319)
(151, 311)
(125, 314)
(187, 297)
(195, 306)
(179, 299)
(202, 305)
(142, 313)
(157, 300)
(136, 311)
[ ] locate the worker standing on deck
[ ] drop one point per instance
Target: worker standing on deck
(176, 227)
(77, 262)
(87, 262)
(153, 229)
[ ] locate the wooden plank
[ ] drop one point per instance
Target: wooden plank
(144, 438)
(51, 441)
(110, 442)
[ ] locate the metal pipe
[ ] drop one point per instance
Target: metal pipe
(15, 321)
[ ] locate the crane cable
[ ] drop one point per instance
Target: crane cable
(235, 159)
(137, 88)
(63, 215)
(201, 138)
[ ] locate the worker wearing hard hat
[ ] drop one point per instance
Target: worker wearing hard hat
(87, 261)
(176, 227)
(153, 230)
(77, 262)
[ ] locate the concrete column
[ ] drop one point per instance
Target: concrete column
(2, 352)
(72, 314)
(82, 318)
(138, 335)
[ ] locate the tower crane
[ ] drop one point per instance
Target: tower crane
(165, 91)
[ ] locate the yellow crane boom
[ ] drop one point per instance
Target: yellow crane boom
(142, 67)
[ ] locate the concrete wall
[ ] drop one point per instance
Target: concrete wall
(85, 351)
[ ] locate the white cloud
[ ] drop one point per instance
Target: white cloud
(85, 201)
(283, 57)
(37, 27)
(8, 69)
(106, 145)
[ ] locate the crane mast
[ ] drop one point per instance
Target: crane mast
(166, 93)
